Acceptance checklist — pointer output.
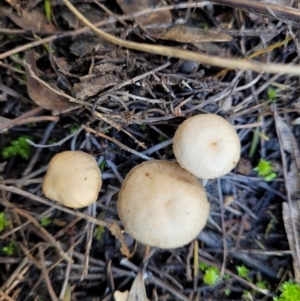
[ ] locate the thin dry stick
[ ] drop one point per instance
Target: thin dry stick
(283, 13)
(101, 23)
(66, 280)
(15, 229)
(30, 257)
(14, 274)
(118, 127)
(89, 233)
(20, 277)
(54, 205)
(11, 123)
(240, 279)
(5, 296)
(46, 276)
(185, 54)
(138, 78)
(121, 145)
(44, 232)
(223, 228)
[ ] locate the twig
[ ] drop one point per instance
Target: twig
(240, 279)
(37, 152)
(5, 296)
(187, 55)
(54, 205)
(223, 228)
(89, 238)
(59, 143)
(13, 275)
(46, 234)
(13, 122)
(121, 145)
(46, 276)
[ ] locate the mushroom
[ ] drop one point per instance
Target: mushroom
(73, 179)
(162, 205)
(207, 146)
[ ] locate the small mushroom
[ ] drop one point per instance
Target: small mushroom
(162, 205)
(73, 179)
(207, 146)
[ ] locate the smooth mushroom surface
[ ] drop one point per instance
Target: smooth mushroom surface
(162, 205)
(207, 146)
(73, 179)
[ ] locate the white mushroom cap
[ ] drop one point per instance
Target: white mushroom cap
(73, 179)
(160, 204)
(207, 146)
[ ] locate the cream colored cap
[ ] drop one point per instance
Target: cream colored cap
(162, 205)
(207, 146)
(73, 179)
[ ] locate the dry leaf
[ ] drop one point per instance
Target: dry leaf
(156, 18)
(93, 86)
(138, 291)
(185, 34)
(41, 95)
(291, 212)
(121, 296)
(116, 231)
(29, 20)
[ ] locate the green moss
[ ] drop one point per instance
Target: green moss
(211, 276)
(290, 291)
(3, 221)
(18, 147)
(265, 170)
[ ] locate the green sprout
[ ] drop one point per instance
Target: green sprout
(31, 125)
(47, 6)
(73, 128)
(265, 170)
(290, 291)
(3, 221)
(161, 138)
(9, 249)
(100, 229)
(18, 147)
(99, 232)
(52, 140)
(262, 284)
(227, 292)
(203, 266)
(211, 276)
(272, 94)
(45, 221)
(143, 127)
(243, 272)
(247, 296)
(102, 165)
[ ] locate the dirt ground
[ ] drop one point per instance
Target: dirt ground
(64, 86)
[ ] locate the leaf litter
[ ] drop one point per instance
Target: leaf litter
(125, 106)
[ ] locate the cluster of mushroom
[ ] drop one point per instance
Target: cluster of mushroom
(160, 203)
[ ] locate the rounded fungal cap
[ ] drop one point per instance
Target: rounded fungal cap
(207, 146)
(73, 179)
(162, 205)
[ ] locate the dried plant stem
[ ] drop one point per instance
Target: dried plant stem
(188, 55)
